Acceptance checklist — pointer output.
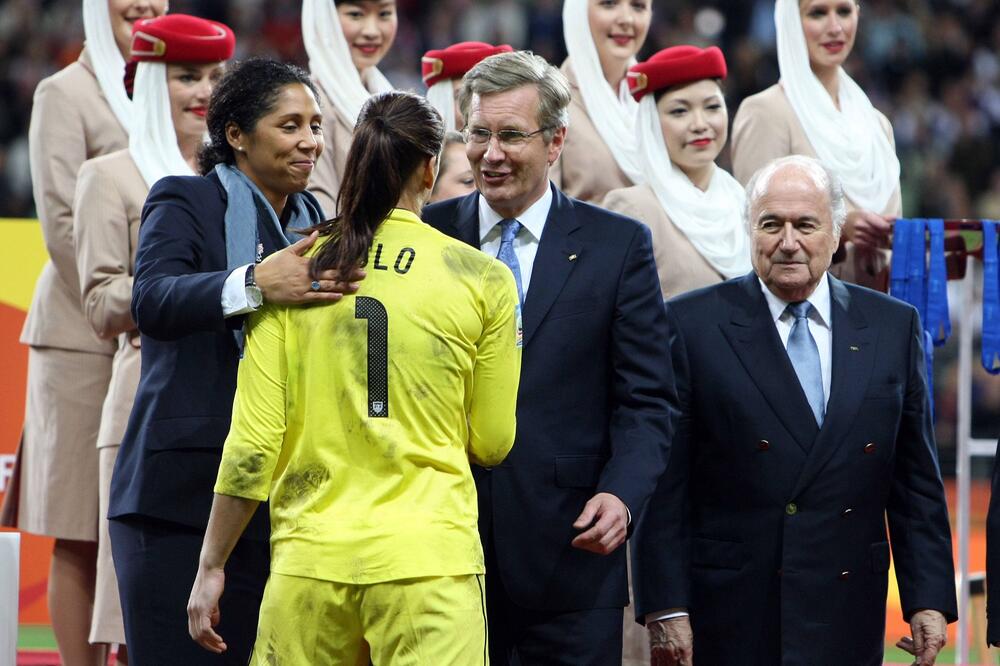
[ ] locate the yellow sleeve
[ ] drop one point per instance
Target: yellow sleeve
(497, 370)
(258, 428)
(101, 234)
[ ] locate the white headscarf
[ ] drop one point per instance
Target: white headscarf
(712, 220)
(109, 65)
(442, 97)
(613, 115)
(330, 60)
(153, 140)
(851, 141)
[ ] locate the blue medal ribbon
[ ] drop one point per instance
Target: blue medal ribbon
(916, 270)
(991, 299)
(900, 248)
(938, 321)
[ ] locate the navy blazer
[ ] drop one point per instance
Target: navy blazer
(772, 531)
(993, 557)
(170, 453)
(595, 405)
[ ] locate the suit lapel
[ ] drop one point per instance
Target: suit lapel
(553, 262)
(853, 359)
(466, 220)
(752, 334)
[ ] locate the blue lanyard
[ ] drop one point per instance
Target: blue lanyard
(991, 299)
(916, 270)
(900, 248)
(938, 321)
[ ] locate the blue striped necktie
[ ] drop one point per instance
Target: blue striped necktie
(508, 231)
(804, 355)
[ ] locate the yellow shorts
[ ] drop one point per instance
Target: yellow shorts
(419, 622)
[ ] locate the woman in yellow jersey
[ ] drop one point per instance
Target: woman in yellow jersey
(358, 422)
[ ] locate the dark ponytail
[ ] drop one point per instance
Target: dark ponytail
(396, 132)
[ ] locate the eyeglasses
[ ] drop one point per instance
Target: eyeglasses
(506, 137)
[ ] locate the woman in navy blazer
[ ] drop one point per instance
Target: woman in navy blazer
(196, 275)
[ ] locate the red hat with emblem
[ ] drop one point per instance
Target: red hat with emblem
(178, 38)
(454, 61)
(674, 66)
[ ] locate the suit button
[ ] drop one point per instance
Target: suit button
(791, 508)
(844, 575)
(870, 447)
(847, 512)
(763, 445)
(779, 573)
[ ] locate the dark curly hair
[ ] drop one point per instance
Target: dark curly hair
(247, 92)
(396, 132)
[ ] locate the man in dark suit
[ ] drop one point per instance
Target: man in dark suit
(993, 558)
(804, 426)
(596, 398)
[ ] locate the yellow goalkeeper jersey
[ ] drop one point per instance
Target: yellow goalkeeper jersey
(358, 419)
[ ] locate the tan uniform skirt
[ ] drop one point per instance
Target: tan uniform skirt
(106, 624)
(57, 470)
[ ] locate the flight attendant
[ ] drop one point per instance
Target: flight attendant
(817, 110)
(601, 153)
(78, 113)
(345, 41)
(176, 62)
(692, 207)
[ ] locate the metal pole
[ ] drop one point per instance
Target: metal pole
(964, 466)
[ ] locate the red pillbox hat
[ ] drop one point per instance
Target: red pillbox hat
(674, 66)
(454, 61)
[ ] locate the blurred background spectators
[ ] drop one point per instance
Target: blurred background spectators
(932, 66)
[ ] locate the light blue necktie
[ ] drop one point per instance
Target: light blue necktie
(804, 355)
(508, 231)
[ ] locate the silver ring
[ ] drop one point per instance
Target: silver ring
(315, 285)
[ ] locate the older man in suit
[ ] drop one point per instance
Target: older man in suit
(596, 396)
(804, 426)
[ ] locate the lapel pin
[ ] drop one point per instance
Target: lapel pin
(572, 257)
(855, 348)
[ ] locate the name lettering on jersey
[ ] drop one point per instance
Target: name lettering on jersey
(404, 260)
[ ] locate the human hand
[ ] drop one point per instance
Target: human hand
(607, 519)
(869, 232)
(284, 277)
(671, 642)
(930, 633)
(203, 609)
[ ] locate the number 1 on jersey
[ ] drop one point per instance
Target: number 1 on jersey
(372, 309)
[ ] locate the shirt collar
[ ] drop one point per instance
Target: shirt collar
(403, 215)
(532, 219)
(819, 299)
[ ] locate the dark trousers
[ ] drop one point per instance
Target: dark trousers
(156, 562)
(522, 637)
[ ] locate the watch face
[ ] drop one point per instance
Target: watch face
(254, 298)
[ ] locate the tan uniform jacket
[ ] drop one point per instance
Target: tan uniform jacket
(337, 135)
(765, 128)
(680, 266)
(70, 122)
(586, 170)
(110, 193)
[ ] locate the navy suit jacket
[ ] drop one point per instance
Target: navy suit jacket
(772, 531)
(595, 405)
(993, 557)
(170, 453)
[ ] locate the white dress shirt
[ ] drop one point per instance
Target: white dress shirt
(820, 325)
(234, 294)
(526, 242)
